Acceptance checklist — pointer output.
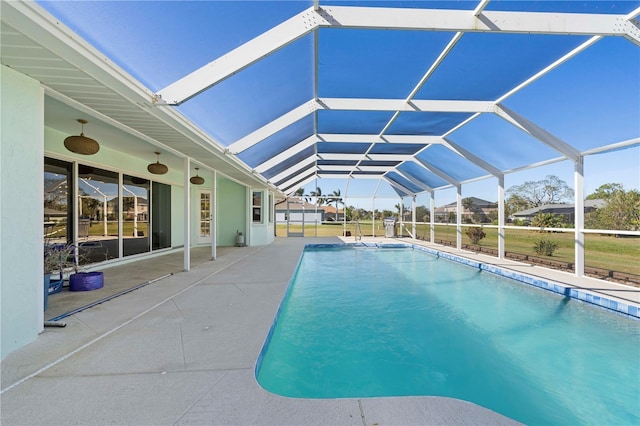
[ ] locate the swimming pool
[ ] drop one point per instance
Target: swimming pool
(360, 322)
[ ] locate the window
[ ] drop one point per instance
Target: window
(256, 206)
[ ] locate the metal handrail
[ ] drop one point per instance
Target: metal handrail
(357, 231)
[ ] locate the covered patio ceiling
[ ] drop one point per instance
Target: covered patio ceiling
(419, 95)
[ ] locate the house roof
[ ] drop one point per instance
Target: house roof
(560, 208)
(477, 202)
(417, 95)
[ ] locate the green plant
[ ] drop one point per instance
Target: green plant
(475, 234)
(548, 220)
(545, 247)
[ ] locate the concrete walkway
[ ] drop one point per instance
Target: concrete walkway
(182, 351)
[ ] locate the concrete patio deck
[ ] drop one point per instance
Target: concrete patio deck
(183, 350)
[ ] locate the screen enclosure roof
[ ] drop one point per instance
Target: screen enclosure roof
(421, 95)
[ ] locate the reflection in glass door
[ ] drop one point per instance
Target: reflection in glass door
(135, 215)
(205, 218)
(97, 214)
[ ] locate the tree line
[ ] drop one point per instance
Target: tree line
(621, 209)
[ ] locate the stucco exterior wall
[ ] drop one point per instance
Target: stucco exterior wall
(232, 210)
(21, 209)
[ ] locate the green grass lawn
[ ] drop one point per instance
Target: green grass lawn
(601, 251)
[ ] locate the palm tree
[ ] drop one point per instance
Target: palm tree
(320, 200)
(335, 199)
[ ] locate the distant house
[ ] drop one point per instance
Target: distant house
(330, 213)
(567, 211)
(474, 210)
(298, 211)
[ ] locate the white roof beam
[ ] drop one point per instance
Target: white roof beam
(424, 78)
(462, 20)
(368, 157)
(415, 181)
(436, 171)
(362, 138)
(550, 67)
(612, 147)
(300, 184)
(293, 169)
(390, 18)
(397, 185)
(288, 153)
(241, 57)
(273, 127)
(537, 132)
(405, 105)
(341, 176)
(357, 105)
(297, 180)
(355, 168)
(632, 31)
(472, 157)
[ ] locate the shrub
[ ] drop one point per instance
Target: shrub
(545, 247)
(548, 220)
(475, 234)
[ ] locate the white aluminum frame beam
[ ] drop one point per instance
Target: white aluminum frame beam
(391, 18)
(284, 155)
(240, 58)
(285, 186)
(537, 132)
(293, 169)
(462, 20)
(365, 104)
(436, 171)
(273, 127)
(356, 104)
(345, 176)
(300, 185)
(399, 186)
(415, 181)
(372, 138)
(348, 169)
(365, 157)
(471, 157)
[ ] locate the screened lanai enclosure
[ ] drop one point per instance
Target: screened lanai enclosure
(388, 97)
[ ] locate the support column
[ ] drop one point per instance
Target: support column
(579, 216)
(373, 222)
(187, 215)
(214, 219)
(401, 217)
(432, 217)
(413, 217)
(501, 220)
(459, 217)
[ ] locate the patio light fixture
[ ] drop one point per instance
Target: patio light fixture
(196, 180)
(81, 144)
(157, 168)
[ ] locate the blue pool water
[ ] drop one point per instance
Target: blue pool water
(361, 322)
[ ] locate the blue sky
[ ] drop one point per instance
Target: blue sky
(592, 100)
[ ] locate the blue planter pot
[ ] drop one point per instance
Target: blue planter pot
(86, 281)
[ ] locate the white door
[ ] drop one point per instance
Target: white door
(205, 217)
